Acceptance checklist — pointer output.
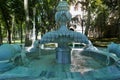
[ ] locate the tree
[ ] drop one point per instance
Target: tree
(5, 12)
(26, 8)
(96, 17)
(0, 35)
(88, 17)
(119, 19)
(113, 17)
(1, 31)
(17, 7)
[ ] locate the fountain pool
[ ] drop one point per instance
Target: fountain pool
(82, 67)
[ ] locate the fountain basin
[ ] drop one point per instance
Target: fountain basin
(84, 61)
(6, 66)
(83, 66)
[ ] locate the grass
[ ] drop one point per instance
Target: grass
(103, 42)
(13, 42)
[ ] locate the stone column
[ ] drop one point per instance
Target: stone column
(63, 54)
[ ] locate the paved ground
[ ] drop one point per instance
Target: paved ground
(45, 68)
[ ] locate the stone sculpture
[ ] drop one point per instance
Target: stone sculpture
(8, 53)
(114, 48)
(33, 51)
(63, 36)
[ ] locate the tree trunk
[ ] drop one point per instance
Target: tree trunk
(27, 40)
(13, 29)
(34, 28)
(88, 21)
(8, 28)
(21, 32)
(0, 35)
(119, 19)
(82, 25)
(9, 36)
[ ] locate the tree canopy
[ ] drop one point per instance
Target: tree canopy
(102, 18)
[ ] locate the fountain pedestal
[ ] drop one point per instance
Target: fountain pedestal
(63, 55)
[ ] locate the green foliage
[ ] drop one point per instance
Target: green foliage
(102, 12)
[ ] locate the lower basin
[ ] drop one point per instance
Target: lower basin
(82, 67)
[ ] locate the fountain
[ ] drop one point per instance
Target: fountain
(63, 62)
(7, 55)
(114, 48)
(63, 36)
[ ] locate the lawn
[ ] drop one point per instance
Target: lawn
(104, 41)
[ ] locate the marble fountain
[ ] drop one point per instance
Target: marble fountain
(62, 62)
